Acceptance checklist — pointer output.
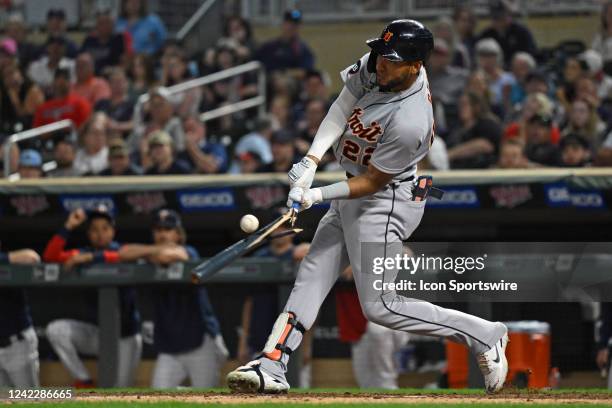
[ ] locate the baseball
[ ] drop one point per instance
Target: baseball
(249, 223)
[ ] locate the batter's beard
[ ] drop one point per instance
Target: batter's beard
(395, 83)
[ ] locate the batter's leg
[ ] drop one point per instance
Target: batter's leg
(22, 364)
(69, 338)
(317, 274)
(168, 372)
(130, 351)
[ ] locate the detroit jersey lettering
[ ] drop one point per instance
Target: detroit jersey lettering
(391, 130)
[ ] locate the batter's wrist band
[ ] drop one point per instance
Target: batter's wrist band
(339, 190)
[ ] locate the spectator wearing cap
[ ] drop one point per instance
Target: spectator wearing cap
(537, 81)
(107, 48)
(202, 154)
(64, 153)
(63, 105)
(256, 141)
(119, 160)
(87, 85)
(161, 156)
(509, 34)
(594, 64)
(575, 151)
(540, 148)
(283, 153)
(443, 29)
(56, 26)
(159, 115)
(187, 333)
(288, 51)
(248, 162)
(147, 30)
(602, 42)
(475, 143)
(30, 164)
(92, 156)
(19, 99)
(583, 120)
(43, 70)
(489, 60)
(445, 81)
(522, 64)
(16, 30)
(70, 337)
(119, 107)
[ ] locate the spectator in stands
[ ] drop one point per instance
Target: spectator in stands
(257, 141)
(573, 70)
(584, 121)
(283, 152)
(87, 85)
(8, 52)
(594, 63)
(510, 35)
(316, 109)
(118, 107)
(30, 164)
(445, 81)
(477, 83)
(92, 157)
(602, 42)
(160, 116)
(464, 21)
(280, 110)
(161, 156)
(70, 337)
(42, 71)
(575, 151)
(64, 154)
(237, 34)
(63, 105)
(443, 29)
(540, 148)
(19, 99)
(489, 60)
(57, 27)
(536, 81)
(522, 64)
(475, 144)
(119, 160)
(203, 155)
(142, 75)
(315, 86)
(17, 31)
(535, 104)
(512, 155)
(249, 162)
(187, 333)
(437, 157)
(106, 47)
(174, 72)
(147, 30)
(19, 362)
(288, 51)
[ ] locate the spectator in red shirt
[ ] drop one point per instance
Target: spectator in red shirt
(88, 85)
(64, 104)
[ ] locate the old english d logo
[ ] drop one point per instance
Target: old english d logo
(387, 36)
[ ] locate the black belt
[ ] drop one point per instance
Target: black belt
(350, 176)
(7, 341)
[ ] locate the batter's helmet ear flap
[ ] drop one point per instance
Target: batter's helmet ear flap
(372, 62)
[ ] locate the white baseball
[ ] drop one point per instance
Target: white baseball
(249, 223)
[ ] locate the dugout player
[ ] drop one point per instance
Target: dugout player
(19, 365)
(187, 334)
(69, 337)
(380, 126)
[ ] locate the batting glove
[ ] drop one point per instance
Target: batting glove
(302, 173)
(305, 197)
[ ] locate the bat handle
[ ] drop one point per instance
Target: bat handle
(295, 206)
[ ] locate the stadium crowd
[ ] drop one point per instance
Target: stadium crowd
(499, 100)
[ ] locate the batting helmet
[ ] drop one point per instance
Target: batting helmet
(401, 40)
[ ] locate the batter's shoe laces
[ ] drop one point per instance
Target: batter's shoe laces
(494, 365)
(251, 378)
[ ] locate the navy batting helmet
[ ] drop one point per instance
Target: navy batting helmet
(401, 40)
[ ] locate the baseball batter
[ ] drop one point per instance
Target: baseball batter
(380, 126)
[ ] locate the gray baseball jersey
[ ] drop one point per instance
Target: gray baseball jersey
(392, 130)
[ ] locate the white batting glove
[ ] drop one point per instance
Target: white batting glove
(302, 173)
(305, 197)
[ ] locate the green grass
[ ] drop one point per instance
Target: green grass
(296, 405)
